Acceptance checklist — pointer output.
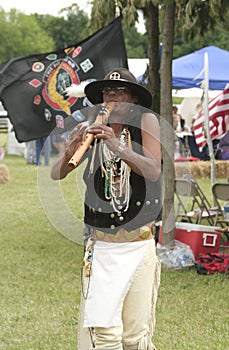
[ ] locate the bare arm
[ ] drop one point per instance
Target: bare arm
(60, 168)
(148, 164)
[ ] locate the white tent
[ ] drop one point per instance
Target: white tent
(137, 66)
(13, 146)
(191, 98)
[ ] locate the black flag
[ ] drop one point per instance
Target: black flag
(32, 87)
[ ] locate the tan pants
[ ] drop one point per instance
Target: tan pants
(138, 313)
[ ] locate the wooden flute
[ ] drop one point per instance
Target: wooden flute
(102, 118)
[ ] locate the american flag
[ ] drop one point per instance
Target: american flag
(218, 110)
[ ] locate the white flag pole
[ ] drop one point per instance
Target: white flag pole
(206, 118)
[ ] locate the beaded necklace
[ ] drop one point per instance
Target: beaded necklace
(117, 175)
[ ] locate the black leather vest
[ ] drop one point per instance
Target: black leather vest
(145, 196)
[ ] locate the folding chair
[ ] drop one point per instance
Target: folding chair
(220, 193)
(190, 195)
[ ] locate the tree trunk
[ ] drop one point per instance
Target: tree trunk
(167, 132)
(151, 14)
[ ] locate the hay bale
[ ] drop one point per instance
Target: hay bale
(222, 169)
(205, 170)
(202, 169)
(197, 170)
(182, 168)
(4, 174)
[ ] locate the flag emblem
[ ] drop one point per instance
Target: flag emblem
(59, 75)
(38, 67)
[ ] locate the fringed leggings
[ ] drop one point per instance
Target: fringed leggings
(138, 313)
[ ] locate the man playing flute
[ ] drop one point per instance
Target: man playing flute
(122, 201)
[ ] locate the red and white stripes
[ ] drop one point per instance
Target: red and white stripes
(218, 111)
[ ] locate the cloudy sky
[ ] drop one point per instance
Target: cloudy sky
(52, 7)
(42, 6)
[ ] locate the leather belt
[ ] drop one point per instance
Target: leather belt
(140, 234)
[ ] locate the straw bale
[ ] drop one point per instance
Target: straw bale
(4, 174)
(202, 169)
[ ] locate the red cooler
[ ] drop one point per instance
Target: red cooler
(200, 238)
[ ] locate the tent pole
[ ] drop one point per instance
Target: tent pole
(206, 118)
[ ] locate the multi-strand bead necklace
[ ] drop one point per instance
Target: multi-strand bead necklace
(117, 175)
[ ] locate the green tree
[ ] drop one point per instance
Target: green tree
(135, 42)
(68, 29)
(189, 37)
(73, 27)
(104, 11)
(20, 35)
(202, 15)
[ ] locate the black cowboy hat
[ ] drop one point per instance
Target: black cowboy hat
(118, 77)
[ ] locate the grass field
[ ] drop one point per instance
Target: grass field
(40, 274)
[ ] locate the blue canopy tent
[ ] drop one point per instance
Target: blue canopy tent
(188, 70)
